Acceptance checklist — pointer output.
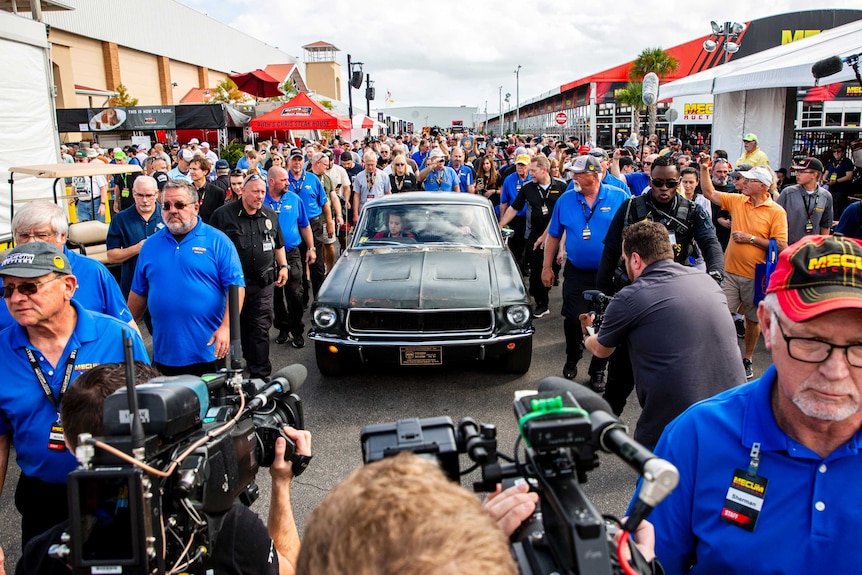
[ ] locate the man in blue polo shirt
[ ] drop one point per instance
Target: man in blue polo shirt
(52, 340)
(466, 179)
(41, 221)
(319, 213)
(511, 187)
(132, 226)
(297, 231)
(182, 276)
(585, 217)
(436, 176)
(769, 471)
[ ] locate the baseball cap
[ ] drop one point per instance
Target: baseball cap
(296, 153)
(586, 164)
(599, 153)
(808, 164)
(816, 275)
(749, 137)
(119, 155)
(92, 153)
(761, 174)
(739, 169)
(222, 165)
(583, 150)
(81, 153)
(523, 159)
(194, 141)
(436, 153)
(205, 145)
(175, 145)
(35, 259)
(186, 155)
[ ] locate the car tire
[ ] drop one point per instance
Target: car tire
(519, 360)
(329, 364)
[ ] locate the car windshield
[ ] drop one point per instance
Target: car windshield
(408, 224)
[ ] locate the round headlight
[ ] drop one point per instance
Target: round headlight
(518, 315)
(324, 317)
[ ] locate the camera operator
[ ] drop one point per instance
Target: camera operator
(244, 544)
(678, 357)
(768, 471)
(687, 225)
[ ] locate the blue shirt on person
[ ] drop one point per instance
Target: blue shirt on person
(25, 410)
(511, 186)
(128, 228)
(419, 158)
(809, 512)
(573, 215)
(185, 285)
(638, 182)
(311, 190)
(97, 290)
(465, 176)
(291, 217)
(442, 181)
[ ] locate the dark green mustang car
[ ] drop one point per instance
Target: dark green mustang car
(426, 279)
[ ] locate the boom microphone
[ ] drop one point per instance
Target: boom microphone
(827, 67)
(650, 89)
(291, 377)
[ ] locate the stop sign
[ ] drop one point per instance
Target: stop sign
(561, 118)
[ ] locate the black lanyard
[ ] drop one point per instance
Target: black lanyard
(592, 211)
(296, 185)
(809, 209)
(67, 376)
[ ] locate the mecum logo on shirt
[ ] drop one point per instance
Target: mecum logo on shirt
(199, 250)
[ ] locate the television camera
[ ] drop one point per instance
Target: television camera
(598, 304)
(152, 495)
(563, 426)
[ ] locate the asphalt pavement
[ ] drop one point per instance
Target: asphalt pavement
(337, 408)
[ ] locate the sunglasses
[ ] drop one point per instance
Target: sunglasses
(178, 205)
(664, 183)
(647, 163)
(26, 288)
(252, 178)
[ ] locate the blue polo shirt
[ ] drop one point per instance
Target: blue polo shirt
(511, 186)
(25, 410)
(448, 179)
(611, 180)
(186, 289)
(97, 290)
(809, 519)
(465, 176)
(291, 217)
(638, 182)
(572, 214)
(128, 228)
(309, 188)
(419, 158)
(571, 186)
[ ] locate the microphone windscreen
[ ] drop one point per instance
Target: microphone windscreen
(827, 67)
(650, 89)
(588, 399)
(294, 374)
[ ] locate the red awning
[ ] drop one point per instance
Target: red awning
(300, 113)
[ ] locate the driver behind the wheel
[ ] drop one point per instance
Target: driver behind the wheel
(396, 225)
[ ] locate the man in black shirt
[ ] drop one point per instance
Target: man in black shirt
(254, 230)
(541, 193)
(210, 196)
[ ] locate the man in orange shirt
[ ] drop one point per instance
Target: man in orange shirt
(756, 219)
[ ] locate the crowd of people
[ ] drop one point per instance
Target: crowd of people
(676, 238)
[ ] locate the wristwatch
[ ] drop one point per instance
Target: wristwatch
(282, 267)
(312, 248)
(751, 240)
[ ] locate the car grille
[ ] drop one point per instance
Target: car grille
(419, 322)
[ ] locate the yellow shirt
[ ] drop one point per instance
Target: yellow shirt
(768, 220)
(756, 158)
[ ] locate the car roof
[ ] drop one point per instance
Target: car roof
(429, 198)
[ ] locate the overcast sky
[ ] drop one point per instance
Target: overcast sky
(452, 53)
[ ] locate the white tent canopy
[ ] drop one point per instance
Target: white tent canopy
(786, 66)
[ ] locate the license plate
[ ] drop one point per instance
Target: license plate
(421, 355)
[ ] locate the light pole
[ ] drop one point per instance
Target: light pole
(730, 32)
(501, 110)
(355, 71)
(508, 95)
(517, 97)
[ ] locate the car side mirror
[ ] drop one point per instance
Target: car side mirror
(507, 233)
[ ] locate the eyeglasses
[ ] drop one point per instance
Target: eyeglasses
(664, 183)
(397, 164)
(25, 288)
(737, 177)
(647, 163)
(21, 237)
(237, 173)
(812, 350)
(178, 205)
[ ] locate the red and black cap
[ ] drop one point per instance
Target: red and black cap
(817, 275)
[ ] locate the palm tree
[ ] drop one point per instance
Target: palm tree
(653, 60)
(632, 95)
(123, 98)
(226, 92)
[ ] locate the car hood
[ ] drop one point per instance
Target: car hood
(428, 278)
